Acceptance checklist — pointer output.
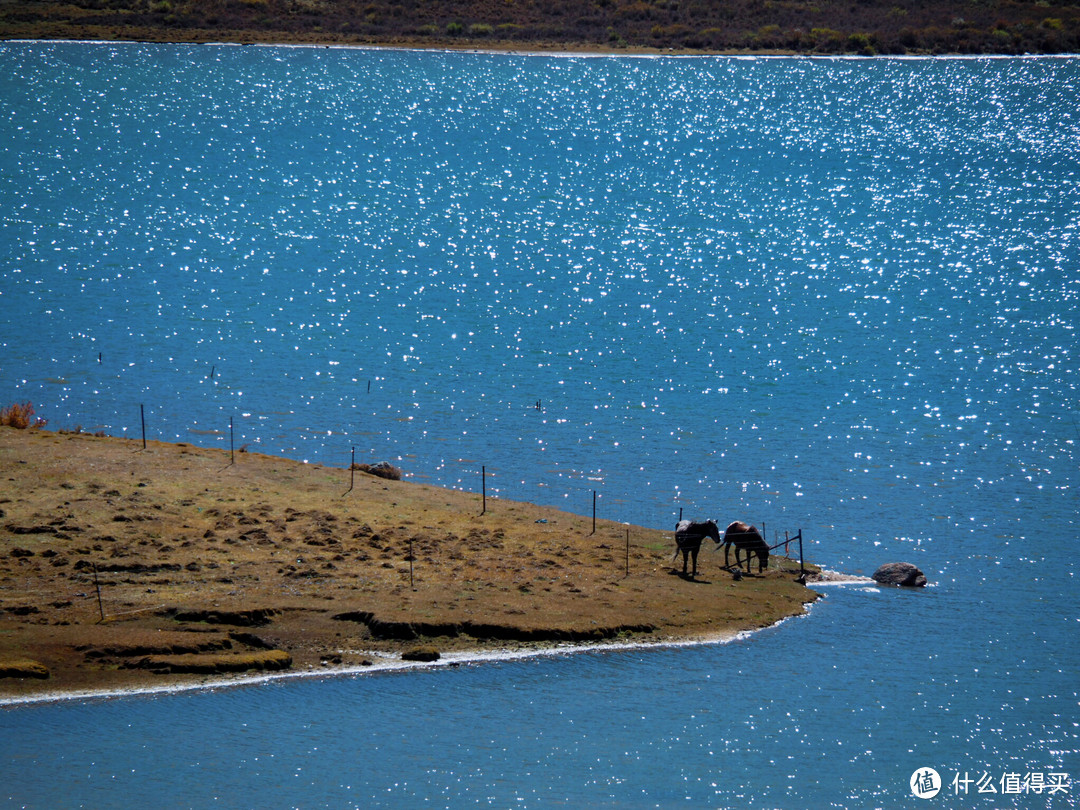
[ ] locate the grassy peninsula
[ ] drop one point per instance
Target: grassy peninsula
(207, 568)
(619, 26)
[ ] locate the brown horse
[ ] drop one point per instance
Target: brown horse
(746, 538)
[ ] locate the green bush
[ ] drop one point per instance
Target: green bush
(861, 43)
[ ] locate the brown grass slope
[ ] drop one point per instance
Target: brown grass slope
(206, 568)
(716, 26)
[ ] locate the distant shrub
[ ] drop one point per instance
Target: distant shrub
(768, 36)
(615, 38)
(454, 29)
(636, 11)
(827, 39)
(861, 43)
(480, 29)
(78, 431)
(713, 36)
(21, 415)
(509, 30)
(678, 31)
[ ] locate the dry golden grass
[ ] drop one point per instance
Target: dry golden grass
(269, 553)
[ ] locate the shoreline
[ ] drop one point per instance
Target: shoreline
(389, 665)
(554, 53)
(122, 567)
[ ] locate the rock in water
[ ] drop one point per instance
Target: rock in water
(900, 574)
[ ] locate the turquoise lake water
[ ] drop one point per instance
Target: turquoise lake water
(840, 295)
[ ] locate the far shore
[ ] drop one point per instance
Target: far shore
(537, 49)
(614, 27)
(568, 50)
(563, 50)
(210, 571)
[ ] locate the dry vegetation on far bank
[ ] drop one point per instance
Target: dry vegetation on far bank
(207, 568)
(826, 26)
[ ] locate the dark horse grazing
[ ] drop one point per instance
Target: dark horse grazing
(748, 539)
(688, 537)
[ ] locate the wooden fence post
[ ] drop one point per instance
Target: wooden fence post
(97, 585)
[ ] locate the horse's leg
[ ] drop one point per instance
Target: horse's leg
(693, 552)
(685, 552)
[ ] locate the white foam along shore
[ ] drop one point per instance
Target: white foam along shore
(385, 663)
(570, 54)
(826, 577)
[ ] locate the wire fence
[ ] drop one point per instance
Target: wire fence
(585, 501)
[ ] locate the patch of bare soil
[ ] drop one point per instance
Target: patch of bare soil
(121, 567)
